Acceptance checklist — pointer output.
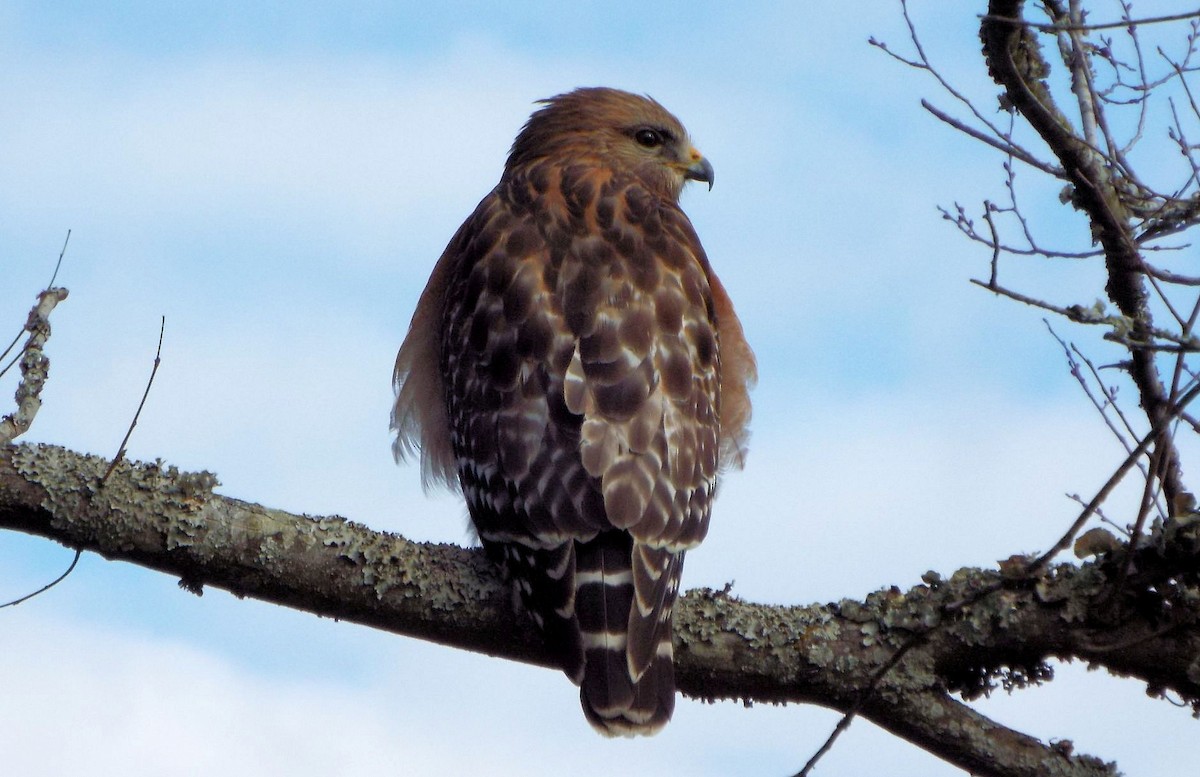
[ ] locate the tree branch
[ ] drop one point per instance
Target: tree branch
(35, 367)
(1015, 62)
(153, 515)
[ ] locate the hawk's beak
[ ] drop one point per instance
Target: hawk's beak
(699, 170)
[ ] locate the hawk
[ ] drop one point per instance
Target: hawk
(577, 369)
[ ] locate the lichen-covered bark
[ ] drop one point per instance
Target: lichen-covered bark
(35, 367)
(158, 517)
(960, 635)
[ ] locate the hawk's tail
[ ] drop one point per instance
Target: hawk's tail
(543, 581)
(624, 595)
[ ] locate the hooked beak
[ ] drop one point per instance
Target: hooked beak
(699, 170)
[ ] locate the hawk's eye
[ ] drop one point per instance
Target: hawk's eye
(650, 138)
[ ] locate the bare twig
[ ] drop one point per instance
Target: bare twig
(863, 698)
(1143, 85)
(967, 227)
(1094, 316)
(16, 339)
(1164, 299)
(58, 264)
(1170, 277)
(49, 585)
(1143, 445)
(922, 62)
(1070, 352)
(1076, 27)
(987, 216)
(1004, 144)
(50, 285)
(154, 371)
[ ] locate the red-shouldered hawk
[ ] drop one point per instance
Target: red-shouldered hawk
(575, 366)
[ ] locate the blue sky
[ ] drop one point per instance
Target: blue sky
(278, 179)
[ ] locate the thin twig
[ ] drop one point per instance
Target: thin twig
(1010, 184)
(967, 227)
(1099, 513)
(49, 285)
(1170, 277)
(1005, 145)
(987, 216)
(865, 695)
(58, 264)
(923, 63)
(1082, 315)
(7, 350)
(1185, 148)
(1110, 393)
(1107, 489)
(1144, 85)
(1072, 27)
(1158, 290)
(48, 586)
(1149, 496)
(1071, 351)
(157, 360)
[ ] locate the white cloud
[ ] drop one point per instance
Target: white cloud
(90, 700)
(106, 701)
(840, 497)
(356, 143)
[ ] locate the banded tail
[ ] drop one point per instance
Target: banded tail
(624, 596)
(604, 607)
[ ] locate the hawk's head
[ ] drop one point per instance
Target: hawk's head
(614, 129)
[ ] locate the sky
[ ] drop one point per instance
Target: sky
(277, 180)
